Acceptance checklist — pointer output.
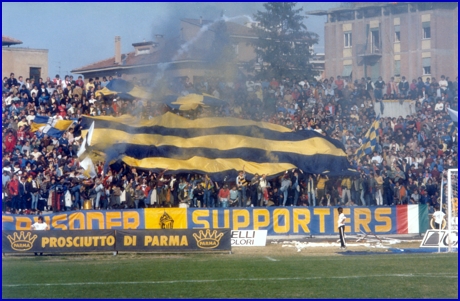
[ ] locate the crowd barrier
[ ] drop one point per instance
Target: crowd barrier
(402, 219)
(116, 240)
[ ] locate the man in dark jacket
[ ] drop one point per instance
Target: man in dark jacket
(23, 195)
(32, 189)
(296, 179)
(387, 192)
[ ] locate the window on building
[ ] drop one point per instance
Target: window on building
(35, 73)
(426, 64)
(347, 39)
(347, 70)
(375, 41)
(397, 34)
(397, 68)
(426, 30)
(426, 70)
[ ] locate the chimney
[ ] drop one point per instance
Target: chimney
(117, 50)
(201, 20)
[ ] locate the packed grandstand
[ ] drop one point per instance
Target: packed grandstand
(42, 172)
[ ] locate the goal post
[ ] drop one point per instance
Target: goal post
(452, 208)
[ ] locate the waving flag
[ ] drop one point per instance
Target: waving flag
(124, 89)
(88, 166)
(217, 146)
(86, 143)
(370, 140)
(192, 101)
(50, 126)
(453, 115)
(454, 124)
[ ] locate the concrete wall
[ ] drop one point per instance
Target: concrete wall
(19, 61)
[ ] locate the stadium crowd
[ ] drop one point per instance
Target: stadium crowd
(414, 151)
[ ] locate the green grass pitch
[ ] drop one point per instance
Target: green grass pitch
(230, 276)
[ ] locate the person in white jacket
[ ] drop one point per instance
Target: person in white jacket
(341, 227)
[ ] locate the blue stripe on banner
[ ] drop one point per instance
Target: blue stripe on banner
(309, 164)
(52, 132)
(120, 86)
(41, 119)
(252, 131)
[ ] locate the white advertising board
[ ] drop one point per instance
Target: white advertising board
(249, 238)
(435, 238)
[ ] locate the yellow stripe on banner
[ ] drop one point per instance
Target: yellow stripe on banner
(171, 120)
(36, 126)
(63, 125)
(139, 92)
(165, 218)
(311, 146)
(105, 92)
(190, 106)
(208, 165)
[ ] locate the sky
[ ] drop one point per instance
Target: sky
(79, 34)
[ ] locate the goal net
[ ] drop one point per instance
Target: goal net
(452, 208)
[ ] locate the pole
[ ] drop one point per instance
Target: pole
(440, 208)
(449, 208)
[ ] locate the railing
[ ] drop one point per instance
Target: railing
(362, 50)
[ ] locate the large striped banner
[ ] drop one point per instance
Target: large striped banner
(276, 220)
(216, 146)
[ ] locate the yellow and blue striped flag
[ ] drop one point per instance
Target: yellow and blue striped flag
(50, 126)
(370, 140)
(216, 146)
(192, 101)
(125, 90)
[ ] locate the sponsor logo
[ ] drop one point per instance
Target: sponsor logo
(208, 240)
(166, 221)
(22, 242)
(440, 238)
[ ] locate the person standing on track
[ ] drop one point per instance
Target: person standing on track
(438, 218)
(341, 226)
(40, 226)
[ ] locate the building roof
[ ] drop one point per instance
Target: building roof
(132, 60)
(158, 56)
(7, 41)
(354, 6)
(128, 60)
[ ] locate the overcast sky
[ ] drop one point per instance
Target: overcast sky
(78, 34)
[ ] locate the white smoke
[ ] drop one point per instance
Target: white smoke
(184, 48)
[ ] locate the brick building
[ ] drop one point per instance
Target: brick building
(392, 39)
(26, 62)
